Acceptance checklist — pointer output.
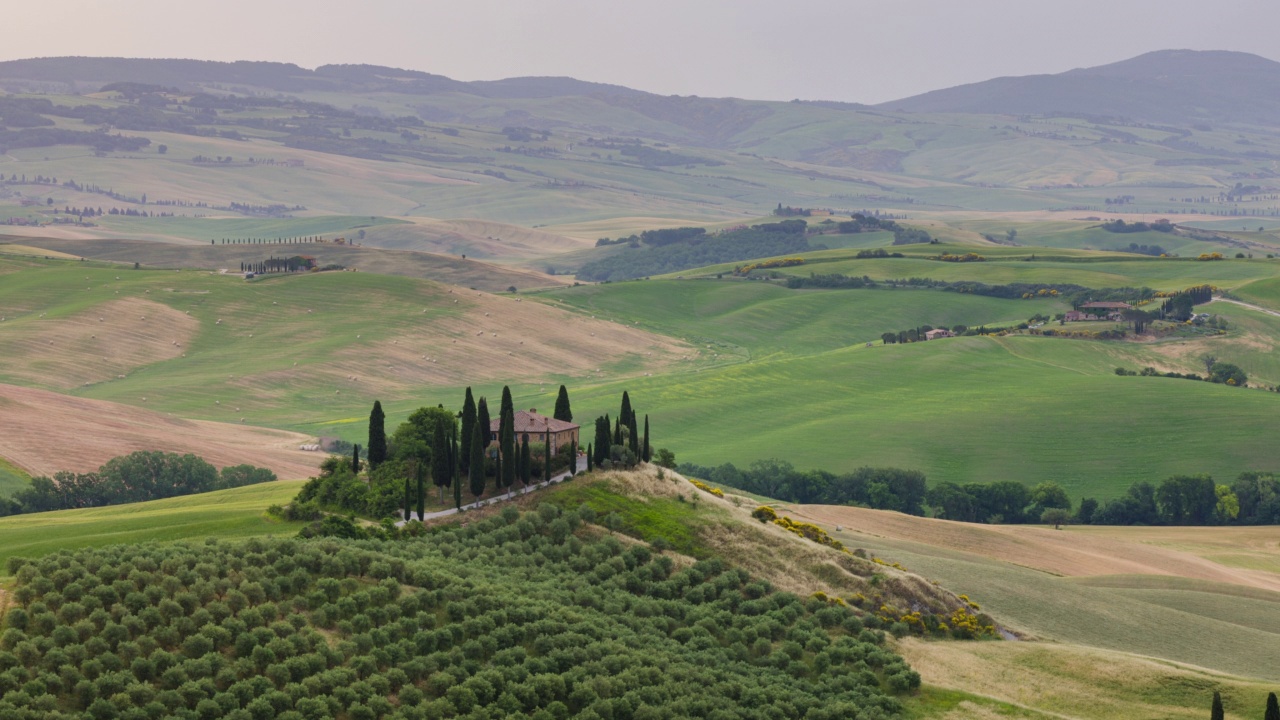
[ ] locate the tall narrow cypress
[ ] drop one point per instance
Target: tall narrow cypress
(506, 476)
(408, 501)
(526, 461)
(1273, 708)
(355, 459)
(590, 458)
(468, 419)
(625, 416)
(563, 411)
(440, 470)
(546, 465)
(476, 471)
(422, 492)
(457, 472)
(633, 438)
(377, 451)
(602, 440)
(645, 454)
(482, 419)
(617, 431)
(1216, 712)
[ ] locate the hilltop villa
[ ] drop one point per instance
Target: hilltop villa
(536, 426)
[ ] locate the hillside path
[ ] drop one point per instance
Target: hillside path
(1251, 306)
(579, 466)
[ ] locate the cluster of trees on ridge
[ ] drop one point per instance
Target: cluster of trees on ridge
(656, 252)
(1253, 499)
(136, 477)
(456, 452)
(519, 615)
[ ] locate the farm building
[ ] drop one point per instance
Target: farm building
(1098, 311)
(536, 427)
(938, 333)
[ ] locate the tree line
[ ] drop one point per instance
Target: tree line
(1252, 499)
(136, 477)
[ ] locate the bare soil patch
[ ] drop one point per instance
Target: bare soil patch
(1072, 552)
(44, 432)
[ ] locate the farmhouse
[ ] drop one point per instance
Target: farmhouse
(1098, 311)
(536, 427)
(938, 333)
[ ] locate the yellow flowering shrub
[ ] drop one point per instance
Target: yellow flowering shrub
(707, 488)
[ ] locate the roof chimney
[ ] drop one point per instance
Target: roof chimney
(533, 410)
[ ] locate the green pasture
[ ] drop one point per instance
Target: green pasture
(12, 478)
(1265, 293)
(237, 513)
(961, 409)
(755, 320)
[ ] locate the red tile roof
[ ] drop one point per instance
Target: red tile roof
(1108, 305)
(528, 421)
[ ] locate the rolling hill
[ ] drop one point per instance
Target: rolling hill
(1167, 86)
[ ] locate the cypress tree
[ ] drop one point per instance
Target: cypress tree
(497, 472)
(526, 462)
(573, 458)
(408, 501)
(625, 416)
(483, 421)
(468, 419)
(617, 431)
(476, 472)
(634, 437)
(546, 464)
(602, 440)
(645, 453)
(355, 459)
(422, 492)
(1273, 709)
(457, 472)
(440, 470)
(590, 458)
(507, 441)
(1216, 712)
(563, 412)
(377, 451)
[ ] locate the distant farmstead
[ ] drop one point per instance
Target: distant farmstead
(1098, 311)
(529, 422)
(938, 333)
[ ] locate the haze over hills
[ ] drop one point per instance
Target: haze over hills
(1170, 86)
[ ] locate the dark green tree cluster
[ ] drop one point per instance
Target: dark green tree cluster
(1253, 499)
(880, 488)
(673, 251)
(541, 621)
(136, 477)
(620, 442)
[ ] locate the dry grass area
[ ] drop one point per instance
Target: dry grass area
(492, 337)
(1071, 681)
(513, 239)
(97, 344)
(44, 432)
(767, 551)
(1254, 549)
(1072, 552)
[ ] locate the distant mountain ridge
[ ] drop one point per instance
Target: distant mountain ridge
(1168, 86)
(287, 77)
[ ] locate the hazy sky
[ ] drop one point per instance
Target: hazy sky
(853, 50)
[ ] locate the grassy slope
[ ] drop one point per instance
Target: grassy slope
(237, 513)
(12, 478)
(965, 409)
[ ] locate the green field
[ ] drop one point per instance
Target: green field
(963, 410)
(12, 478)
(238, 513)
